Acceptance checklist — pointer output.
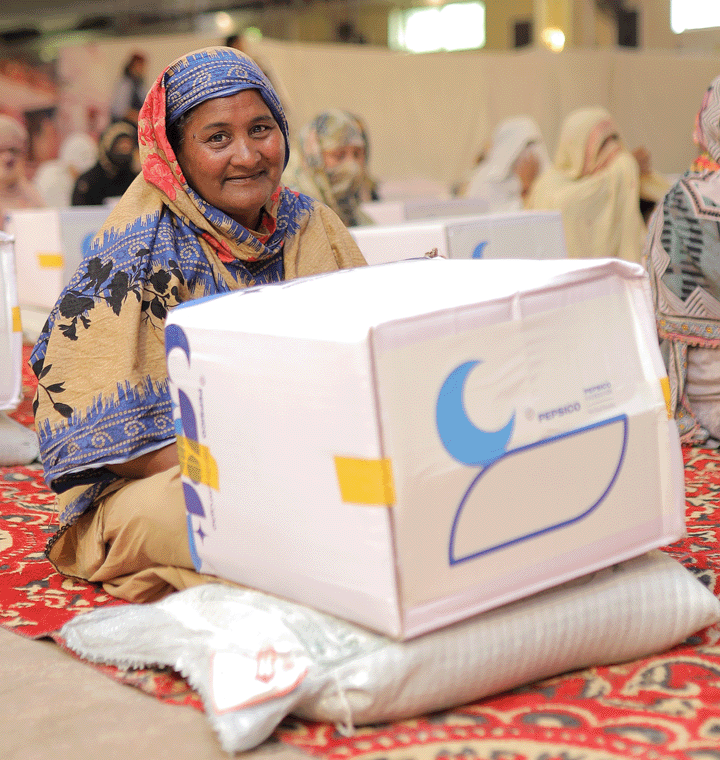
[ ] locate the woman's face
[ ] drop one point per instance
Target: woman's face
(337, 156)
(232, 154)
(11, 163)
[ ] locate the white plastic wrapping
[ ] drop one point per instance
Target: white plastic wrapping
(254, 658)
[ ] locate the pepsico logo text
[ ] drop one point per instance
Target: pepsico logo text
(561, 411)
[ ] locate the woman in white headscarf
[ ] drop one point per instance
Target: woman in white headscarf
(56, 179)
(517, 154)
(16, 191)
(595, 183)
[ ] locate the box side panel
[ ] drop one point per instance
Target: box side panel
(78, 227)
(528, 447)
(41, 267)
(273, 417)
(525, 235)
(382, 245)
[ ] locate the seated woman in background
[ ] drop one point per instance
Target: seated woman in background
(595, 183)
(114, 170)
(331, 165)
(683, 261)
(504, 175)
(16, 191)
(207, 215)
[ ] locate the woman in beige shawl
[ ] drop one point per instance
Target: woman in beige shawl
(208, 215)
(595, 183)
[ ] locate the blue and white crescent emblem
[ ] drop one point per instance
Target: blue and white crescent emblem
(462, 439)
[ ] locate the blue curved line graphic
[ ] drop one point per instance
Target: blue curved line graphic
(175, 338)
(460, 437)
(187, 415)
(192, 501)
(197, 562)
(479, 250)
(456, 560)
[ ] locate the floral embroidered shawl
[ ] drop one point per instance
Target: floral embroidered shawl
(102, 393)
(683, 254)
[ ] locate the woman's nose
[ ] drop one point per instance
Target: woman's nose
(244, 152)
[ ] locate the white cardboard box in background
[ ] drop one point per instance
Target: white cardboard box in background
(10, 329)
(410, 444)
(49, 245)
(516, 235)
(408, 209)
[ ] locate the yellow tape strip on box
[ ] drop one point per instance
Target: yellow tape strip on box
(365, 481)
(51, 260)
(665, 385)
(197, 463)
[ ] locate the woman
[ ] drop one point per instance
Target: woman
(683, 261)
(113, 172)
(129, 91)
(595, 182)
(16, 191)
(504, 176)
(207, 215)
(332, 165)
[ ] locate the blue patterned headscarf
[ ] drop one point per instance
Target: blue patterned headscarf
(218, 73)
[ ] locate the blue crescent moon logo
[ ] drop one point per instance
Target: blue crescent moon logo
(460, 437)
(479, 250)
(175, 338)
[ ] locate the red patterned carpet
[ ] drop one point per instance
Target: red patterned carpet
(665, 707)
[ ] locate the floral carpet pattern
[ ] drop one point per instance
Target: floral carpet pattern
(665, 707)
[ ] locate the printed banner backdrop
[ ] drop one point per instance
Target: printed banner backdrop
(428, 115)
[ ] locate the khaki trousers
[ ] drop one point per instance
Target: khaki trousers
(134, 541)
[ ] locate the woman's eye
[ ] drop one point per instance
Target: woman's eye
(216, 138)
(259, 129)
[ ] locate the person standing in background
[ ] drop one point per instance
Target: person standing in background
(129, 91)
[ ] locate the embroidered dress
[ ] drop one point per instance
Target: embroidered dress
(683, 261)
(102, 395)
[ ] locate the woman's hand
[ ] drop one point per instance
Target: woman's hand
(527, 167)
(642, 156)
